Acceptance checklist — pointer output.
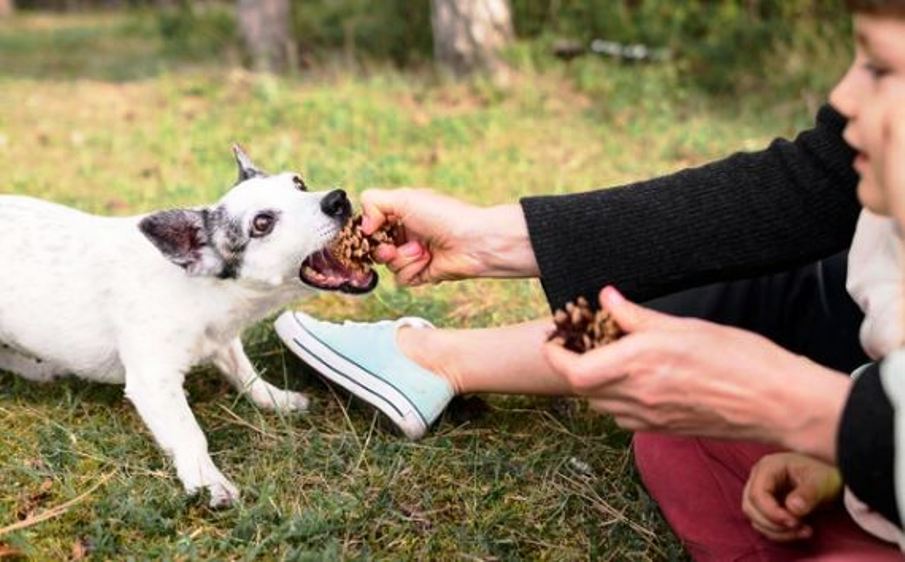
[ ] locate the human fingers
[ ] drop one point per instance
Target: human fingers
(411, 273)
(615, 407)
(813, 483)
(760, 501)
(761, 520)
(788, 535)
(595, 368)
(397, 257)
(632, 317)
(377, 205)
(403, 256)
(803, 499)
(385, 253)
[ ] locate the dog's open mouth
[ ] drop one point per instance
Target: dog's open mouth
(323, 271)
(346, 265)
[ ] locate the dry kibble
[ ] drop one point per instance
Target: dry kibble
(580, 328)
(355, 250)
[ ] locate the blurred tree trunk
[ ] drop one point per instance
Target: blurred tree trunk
(264, 28)
(7, 8)
(468, 34)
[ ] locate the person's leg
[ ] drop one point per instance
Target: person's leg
(698, 484)
(805, 310)
(501, 360)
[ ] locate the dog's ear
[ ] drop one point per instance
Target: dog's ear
(247, 168)
(183, 237)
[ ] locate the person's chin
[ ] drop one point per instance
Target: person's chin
(871, 197)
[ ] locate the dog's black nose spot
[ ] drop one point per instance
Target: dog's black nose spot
(336, 204)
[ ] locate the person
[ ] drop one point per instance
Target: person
(743, 335)
(784, 486)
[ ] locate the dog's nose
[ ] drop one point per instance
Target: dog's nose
(336, 204)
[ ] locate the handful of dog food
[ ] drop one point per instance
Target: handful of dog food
(579, 328)
(355, 250)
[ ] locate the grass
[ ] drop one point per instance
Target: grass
(96, 112)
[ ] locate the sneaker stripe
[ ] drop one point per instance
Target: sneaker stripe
(365, 369)
(347, 377)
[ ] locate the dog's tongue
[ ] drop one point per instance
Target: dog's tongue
(327, 266)
(328, 271)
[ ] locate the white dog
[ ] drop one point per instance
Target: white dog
(141, 300)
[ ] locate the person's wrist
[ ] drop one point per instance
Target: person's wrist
(502, 246)
(812, 412)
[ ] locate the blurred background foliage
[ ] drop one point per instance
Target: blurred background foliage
(719, 46)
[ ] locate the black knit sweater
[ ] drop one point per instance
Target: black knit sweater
(744, 216)
(748, 215)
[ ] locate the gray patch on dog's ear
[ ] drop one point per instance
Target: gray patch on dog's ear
(247, 168)
(184, 238)
(228, 238)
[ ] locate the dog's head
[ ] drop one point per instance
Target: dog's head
(267, 229)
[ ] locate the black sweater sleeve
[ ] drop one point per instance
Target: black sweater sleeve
(866, 445)
(747, 215)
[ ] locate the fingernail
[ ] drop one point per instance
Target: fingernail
(612, 295)
(366, 223)
(385, 253)
(410, 249)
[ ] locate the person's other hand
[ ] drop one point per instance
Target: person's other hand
(691, 377)
(783, 489)
(447, 239)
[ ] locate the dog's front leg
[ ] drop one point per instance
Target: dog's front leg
(235, 365)
(160, 400)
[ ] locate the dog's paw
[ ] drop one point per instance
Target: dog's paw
(223, 494)
(283, 401)
(220, 495)
(212, 483)
(294, 402)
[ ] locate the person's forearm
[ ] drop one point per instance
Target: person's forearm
(809, 412)
(747, 215)
(503, 247)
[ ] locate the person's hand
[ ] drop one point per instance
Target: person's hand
(446, 239)
(783, 489)
(691, 377)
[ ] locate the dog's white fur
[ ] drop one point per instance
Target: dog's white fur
(93, 297)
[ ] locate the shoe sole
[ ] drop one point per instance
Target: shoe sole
(351, 376)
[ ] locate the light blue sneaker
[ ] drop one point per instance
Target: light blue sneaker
(365, 360)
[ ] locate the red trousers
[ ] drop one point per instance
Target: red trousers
(698, 484)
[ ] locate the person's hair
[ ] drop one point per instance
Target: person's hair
(877, 7)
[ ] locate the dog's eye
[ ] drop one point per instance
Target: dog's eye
(299, 183)
(262, 224)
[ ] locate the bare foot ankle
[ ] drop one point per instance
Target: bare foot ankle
(425, 348)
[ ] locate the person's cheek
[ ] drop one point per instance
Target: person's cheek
(870, 132)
